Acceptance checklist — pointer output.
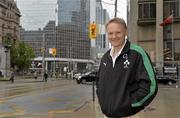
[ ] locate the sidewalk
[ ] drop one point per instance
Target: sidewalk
(89, 110)
(92, 110)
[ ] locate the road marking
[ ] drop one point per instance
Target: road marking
(17, 111)
(60, 111)
(16, 108)
(50, 99)
(50, 113)
(2, 101)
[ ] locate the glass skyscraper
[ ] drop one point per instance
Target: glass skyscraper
(66, 9)
(72, 31)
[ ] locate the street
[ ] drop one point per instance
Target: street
(39, 99)
(29, 98)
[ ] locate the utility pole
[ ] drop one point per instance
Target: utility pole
(55, 44)
(43, 56)
(172, 36)
(92, 17)
(54, 66)
(115, 9)
(93, 43)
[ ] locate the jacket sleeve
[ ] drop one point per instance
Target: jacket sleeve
(146, 84)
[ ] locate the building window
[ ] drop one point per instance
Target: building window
(147, 10)
(3, 27)
(169, 6)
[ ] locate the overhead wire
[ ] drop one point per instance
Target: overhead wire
(106, 5)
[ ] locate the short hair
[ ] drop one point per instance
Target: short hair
(118, 21)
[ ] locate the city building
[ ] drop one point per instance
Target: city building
(9, 31)
(33, 38)
(70, 36)
(102, 17)
(145, 18)
(73, 30)
(72, 33)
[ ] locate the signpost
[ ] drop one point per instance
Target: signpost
(53, 52)
(93, 35)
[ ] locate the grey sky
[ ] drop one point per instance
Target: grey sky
(37, 13)
(122, 8)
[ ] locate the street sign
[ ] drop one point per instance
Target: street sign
(52, 51)
(42, 49)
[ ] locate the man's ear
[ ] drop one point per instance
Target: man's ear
(126, 32)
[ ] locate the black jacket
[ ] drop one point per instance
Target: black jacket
(129, 86)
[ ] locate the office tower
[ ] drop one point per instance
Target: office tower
(72, 30)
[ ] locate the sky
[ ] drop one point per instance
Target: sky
(31, 10)
(122, 8)
(30, 15)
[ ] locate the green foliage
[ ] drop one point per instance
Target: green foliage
(21, 55)
(6, 40)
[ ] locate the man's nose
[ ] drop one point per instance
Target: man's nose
(114, 35)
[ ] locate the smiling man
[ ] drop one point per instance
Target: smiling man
(126, 81)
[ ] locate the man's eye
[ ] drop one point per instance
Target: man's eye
(118, 32)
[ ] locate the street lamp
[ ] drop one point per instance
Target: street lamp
(6, 50)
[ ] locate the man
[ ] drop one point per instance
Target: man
(126, 81)
(35, 75)
(12, 77)
(45, 76)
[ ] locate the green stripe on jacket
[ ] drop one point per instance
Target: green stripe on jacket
(150, 72)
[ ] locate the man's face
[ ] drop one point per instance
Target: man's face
(116, 34)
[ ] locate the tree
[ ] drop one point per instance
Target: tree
(21, 55)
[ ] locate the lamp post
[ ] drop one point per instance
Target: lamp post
(6, 50)
(115, 9)
(43, 55)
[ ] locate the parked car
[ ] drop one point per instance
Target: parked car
(87, 77)
(75, 76)
(166, 80)
(167, 75)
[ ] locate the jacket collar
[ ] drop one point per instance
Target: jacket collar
(125, 49)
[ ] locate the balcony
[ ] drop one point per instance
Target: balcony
(146, 21)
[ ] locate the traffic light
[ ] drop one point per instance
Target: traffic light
(92, 31)
(54, 51)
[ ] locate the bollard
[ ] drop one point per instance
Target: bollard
(93, 91)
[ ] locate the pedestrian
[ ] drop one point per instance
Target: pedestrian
(35, 75)
(45, 77)
(1, 74)
(12, 77)
(126, 81)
